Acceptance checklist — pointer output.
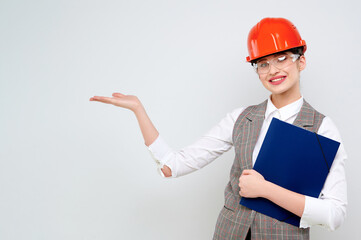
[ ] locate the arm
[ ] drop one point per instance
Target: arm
(200, 153)
(149, 132)
(132, 103)
(329, 209)
(252, 184)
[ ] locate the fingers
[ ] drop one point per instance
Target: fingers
(101, 99)
(106, 99)
(242, 191)
(242, 186)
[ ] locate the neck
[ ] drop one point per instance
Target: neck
(281, 100)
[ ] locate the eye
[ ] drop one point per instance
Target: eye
(262, 64)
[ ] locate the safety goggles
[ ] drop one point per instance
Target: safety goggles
(280, 61)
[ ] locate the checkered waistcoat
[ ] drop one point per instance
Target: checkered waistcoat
(234, 219)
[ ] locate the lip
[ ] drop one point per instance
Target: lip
(277, 82)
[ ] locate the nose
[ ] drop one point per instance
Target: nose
(273, 70)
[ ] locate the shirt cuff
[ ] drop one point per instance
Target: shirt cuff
(159, 150)
(316, 212)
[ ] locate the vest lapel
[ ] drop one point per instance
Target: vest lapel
(306, 116)
(254, 121)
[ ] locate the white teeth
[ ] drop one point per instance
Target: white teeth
(276, 80)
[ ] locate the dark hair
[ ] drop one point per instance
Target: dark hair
(297, 50)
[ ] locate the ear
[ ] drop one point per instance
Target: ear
(302, 63)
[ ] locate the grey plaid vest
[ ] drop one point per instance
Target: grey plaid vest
(234, 219)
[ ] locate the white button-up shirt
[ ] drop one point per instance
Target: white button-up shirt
(328, 210)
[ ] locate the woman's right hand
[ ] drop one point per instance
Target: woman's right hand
(125, 101)
(131, 102)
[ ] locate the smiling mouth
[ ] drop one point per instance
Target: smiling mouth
(277, 79)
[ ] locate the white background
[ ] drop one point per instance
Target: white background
(74, 169)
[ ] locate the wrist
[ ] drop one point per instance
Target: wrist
(267, 189)
(138, 108)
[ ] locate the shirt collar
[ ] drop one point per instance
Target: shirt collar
(285, 112)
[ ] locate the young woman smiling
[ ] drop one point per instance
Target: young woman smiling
(276, 51)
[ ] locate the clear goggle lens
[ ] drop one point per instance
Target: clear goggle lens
(280, 61)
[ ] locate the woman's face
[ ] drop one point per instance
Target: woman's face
(282, 80)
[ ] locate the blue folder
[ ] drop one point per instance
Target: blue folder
(293, 158)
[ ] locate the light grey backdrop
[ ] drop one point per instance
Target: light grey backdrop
(74, 169)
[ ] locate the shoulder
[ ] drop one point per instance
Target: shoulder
(329, 129)
(233, 115)
(253, 111)
(327, 126)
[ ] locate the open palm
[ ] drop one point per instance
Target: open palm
(125, 101)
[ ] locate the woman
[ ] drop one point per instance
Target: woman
(276, 52)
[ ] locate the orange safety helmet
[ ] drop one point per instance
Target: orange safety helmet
(272, 35)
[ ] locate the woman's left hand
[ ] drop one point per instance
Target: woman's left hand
(252, 184)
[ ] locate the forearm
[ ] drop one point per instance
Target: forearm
(149, 132)
(291, 201)
(132, 103)
(197, 155)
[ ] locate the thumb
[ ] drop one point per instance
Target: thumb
(247, 172)
(117, 95)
